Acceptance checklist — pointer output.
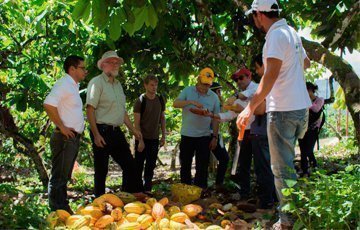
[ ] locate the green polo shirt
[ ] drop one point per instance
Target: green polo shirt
(108, 99)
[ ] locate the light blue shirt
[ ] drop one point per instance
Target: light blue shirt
(195, 125)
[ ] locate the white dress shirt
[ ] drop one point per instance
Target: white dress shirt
(65, 97)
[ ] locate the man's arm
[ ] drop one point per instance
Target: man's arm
(182, 103)
(137, 117)
(307, 63)
(53, 114)
(163, 129)
(98, 139)
(264, 88)
(129, 125)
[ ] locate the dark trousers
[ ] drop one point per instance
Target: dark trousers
(245, 160)
(307, 145)
(200, 147)
(149, 156)
(64, 152)
(118, 148)
(223, 158)
(264, 175)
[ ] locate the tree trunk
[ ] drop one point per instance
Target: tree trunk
(27, 147)
(344, 74)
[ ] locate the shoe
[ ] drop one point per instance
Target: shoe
(281, 226)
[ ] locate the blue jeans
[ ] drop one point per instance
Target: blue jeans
(283, 129)
(64, 151)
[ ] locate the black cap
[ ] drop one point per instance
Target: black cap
(215, 86)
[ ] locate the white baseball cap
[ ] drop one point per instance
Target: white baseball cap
(263, 6)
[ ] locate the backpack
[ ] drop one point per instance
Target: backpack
(142, 99)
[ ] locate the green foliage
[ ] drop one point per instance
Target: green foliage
(21, 210)
(326, 201)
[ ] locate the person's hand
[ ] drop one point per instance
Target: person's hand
(244, 117)
(213, 144)
(197, 104)
(230, 100)
(162, 141)
(141, 146)
(67, 132)
(137, 134)
(99, 141)
(207, 113)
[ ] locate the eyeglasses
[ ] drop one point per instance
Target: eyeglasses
(82, 67)
(113, 63)
(239, 78)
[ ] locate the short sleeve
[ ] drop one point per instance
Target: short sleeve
(93, 93)
(249, 92)
(56, 94)
(137, 106)
(276, 45)
(183, 94)
(217, 105)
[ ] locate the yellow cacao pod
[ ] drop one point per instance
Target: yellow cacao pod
(112, 199)
(214, 227)
(78, 222)
(52, 219)
(148, 209)
(151, 201)
(93, 211)
(225, 223)
(116, 214)
(158, 211)
(164, 223)
(192, 210)
(71, 219)
(135, 207)
(173, 209)
(122, 221)
(179, 217)
(62, 214)
(176, 225)
(130, 226)
(145, 220)
(103, 221)
(132, 217)
(164, 201)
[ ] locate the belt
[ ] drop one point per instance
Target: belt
(76, 133)
(108, 127)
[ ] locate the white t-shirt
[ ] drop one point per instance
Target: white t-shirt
(289, 91)
(248, 92)
(65, 97)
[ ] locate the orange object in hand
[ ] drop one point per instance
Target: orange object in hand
(241, 133)
(201, 112)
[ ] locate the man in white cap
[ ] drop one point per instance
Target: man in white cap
(284, 87)
(105, 108)
(196, 136)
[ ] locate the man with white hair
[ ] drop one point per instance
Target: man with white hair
(106, 112)
(284, 87)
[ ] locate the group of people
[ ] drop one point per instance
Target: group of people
(274, 114)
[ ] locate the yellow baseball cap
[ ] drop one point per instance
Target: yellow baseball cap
(206, 76)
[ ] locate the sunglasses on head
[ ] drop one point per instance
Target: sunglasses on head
(241, 77)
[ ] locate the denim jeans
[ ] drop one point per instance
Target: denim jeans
(148, 156)
(200, 147)
(118, 148)
(264, 175)
(64, 152)
(283, 129)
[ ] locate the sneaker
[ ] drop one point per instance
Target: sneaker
(281, 226)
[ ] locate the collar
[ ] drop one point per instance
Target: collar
(207, 93)
(70, 79)
(274, 26)
(106, 78)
